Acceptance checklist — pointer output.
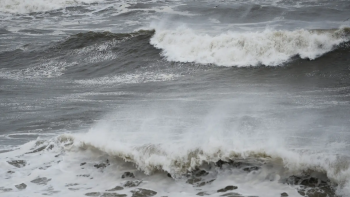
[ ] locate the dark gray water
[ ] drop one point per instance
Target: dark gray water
(174, 87)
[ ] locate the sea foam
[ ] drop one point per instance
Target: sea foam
(28, 6)
(268, 47)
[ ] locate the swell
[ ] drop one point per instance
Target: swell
(90, 54)
(99, 54)
(129, 49)
(81, 40)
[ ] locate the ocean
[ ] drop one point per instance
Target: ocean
(176, 98)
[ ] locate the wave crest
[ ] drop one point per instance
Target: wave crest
(310, 173)
(151, 158)
(270, 47)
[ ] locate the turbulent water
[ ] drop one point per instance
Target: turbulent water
(174, 98)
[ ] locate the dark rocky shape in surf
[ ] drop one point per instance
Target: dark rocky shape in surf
(232, 194)
(71, 184)
(202, 194)
(220, 163)
(284, 194)
(314, 192)
(50, 190)
(105, 194)
(5, 189)
(73, 189)
(312, 182)
(197, 178)
(128, 174)
(4, 151)
(248, 167)
(143, 193)
(113, 195)
(199, 173)
(93, 194)
(193, 180)
(227, 188)
(115, 189)
(49, 147)
(101, 165)
(41, 180)
(21, 186)
(132, 183)
(44, 167)
(312, 187)
(18, 163)
(82, 163)
(83, 175)
(10, 172)
(251, 168)
(204, 183)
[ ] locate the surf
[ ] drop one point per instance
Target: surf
(244, 49)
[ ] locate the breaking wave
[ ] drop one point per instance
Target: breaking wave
(285, 167)
(269, 47)
(153, 157)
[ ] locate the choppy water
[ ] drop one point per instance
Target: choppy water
(174, 98)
